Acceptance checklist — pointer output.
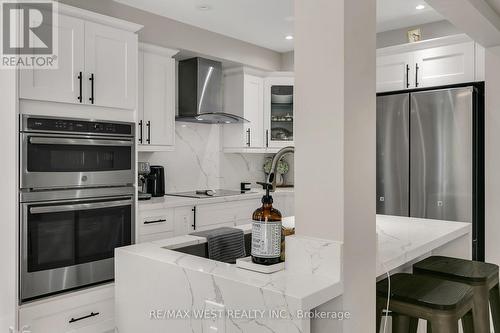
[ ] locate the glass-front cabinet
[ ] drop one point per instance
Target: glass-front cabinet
(279, 112)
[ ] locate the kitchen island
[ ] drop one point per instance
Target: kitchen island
(161, 290)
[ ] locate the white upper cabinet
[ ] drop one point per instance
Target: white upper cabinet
(244, 96)
(61, 84)
(156, 116)
(97, 58)
(279, 111)
(395, 72)
(111, 66)
(443, 61)
(445, 65)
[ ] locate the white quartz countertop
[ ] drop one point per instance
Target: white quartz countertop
(313, 268)
(402, 240)
(169, 201)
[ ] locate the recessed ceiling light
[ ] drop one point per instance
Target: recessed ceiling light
(204, 7)
(289, 37)
(420, 7)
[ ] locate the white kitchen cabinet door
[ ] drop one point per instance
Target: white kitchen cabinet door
(111, 60)
(279, 112)
(395, 72)
(86, 311)
(244, 96)
(445, 65)
(156, 221)
(140, 101)
(183, 220)
(159, 99)
(254, 110)
(61, 84)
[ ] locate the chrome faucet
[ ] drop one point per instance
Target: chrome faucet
(271, 178)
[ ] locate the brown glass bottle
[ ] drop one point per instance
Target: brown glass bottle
(266, 246)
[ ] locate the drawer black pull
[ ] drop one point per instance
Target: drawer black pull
(92, 314)
(156, 221)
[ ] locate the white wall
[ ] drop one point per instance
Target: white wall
(199, 163)
(429, 31)
(492, 155)
(335, 142)
(8, 204)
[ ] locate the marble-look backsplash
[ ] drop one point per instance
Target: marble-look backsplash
(199, 163)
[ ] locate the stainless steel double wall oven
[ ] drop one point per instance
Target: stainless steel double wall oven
(76, 199)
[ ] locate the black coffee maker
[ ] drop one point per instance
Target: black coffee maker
(156, 181)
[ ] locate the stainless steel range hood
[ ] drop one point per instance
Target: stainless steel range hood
(200, 93)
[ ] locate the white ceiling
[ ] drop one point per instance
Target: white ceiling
(396, 14)
(267, 22)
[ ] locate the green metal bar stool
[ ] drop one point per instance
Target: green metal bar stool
(482, 277)
(442, 303)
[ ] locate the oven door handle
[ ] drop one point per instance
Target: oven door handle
(87, 142)
(83, 206)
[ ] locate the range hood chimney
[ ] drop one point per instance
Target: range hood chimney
(200, 93)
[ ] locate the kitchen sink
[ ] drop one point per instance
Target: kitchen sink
(201, 250)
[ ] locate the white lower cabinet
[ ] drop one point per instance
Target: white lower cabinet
(184, 220)
(227, 213)
(156, 221)
(87, 311)
(156, 224)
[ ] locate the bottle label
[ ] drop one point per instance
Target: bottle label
(266, 239)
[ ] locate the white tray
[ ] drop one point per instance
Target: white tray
(246, 263)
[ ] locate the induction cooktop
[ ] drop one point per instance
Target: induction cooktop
(202, 194)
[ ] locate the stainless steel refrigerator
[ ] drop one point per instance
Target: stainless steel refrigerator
(430, 164)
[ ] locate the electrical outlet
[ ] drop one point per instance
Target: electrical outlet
(215, 322)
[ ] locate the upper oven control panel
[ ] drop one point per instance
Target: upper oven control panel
(37, 124)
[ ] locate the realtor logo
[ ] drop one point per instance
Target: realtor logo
(29, 34)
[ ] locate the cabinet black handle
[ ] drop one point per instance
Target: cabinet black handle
(80, 80)
(140, 131)
(416, 75)
(92, 80)
(194, 218)
(267, 138)
(92, 314)
(407, 76)
(155, 221)
(248, 137)
(148, 125)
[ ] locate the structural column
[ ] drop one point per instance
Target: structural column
(8, 202)
(335, 167)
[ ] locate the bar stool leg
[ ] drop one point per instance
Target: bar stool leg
(444, 325)
(481, 310)
(429, 327)
(495, 307)
(468, 323)
(400, 323)
(413, 325)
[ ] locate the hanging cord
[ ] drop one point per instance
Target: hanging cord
(388, 298)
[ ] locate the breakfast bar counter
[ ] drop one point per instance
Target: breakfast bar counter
(152, 278)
